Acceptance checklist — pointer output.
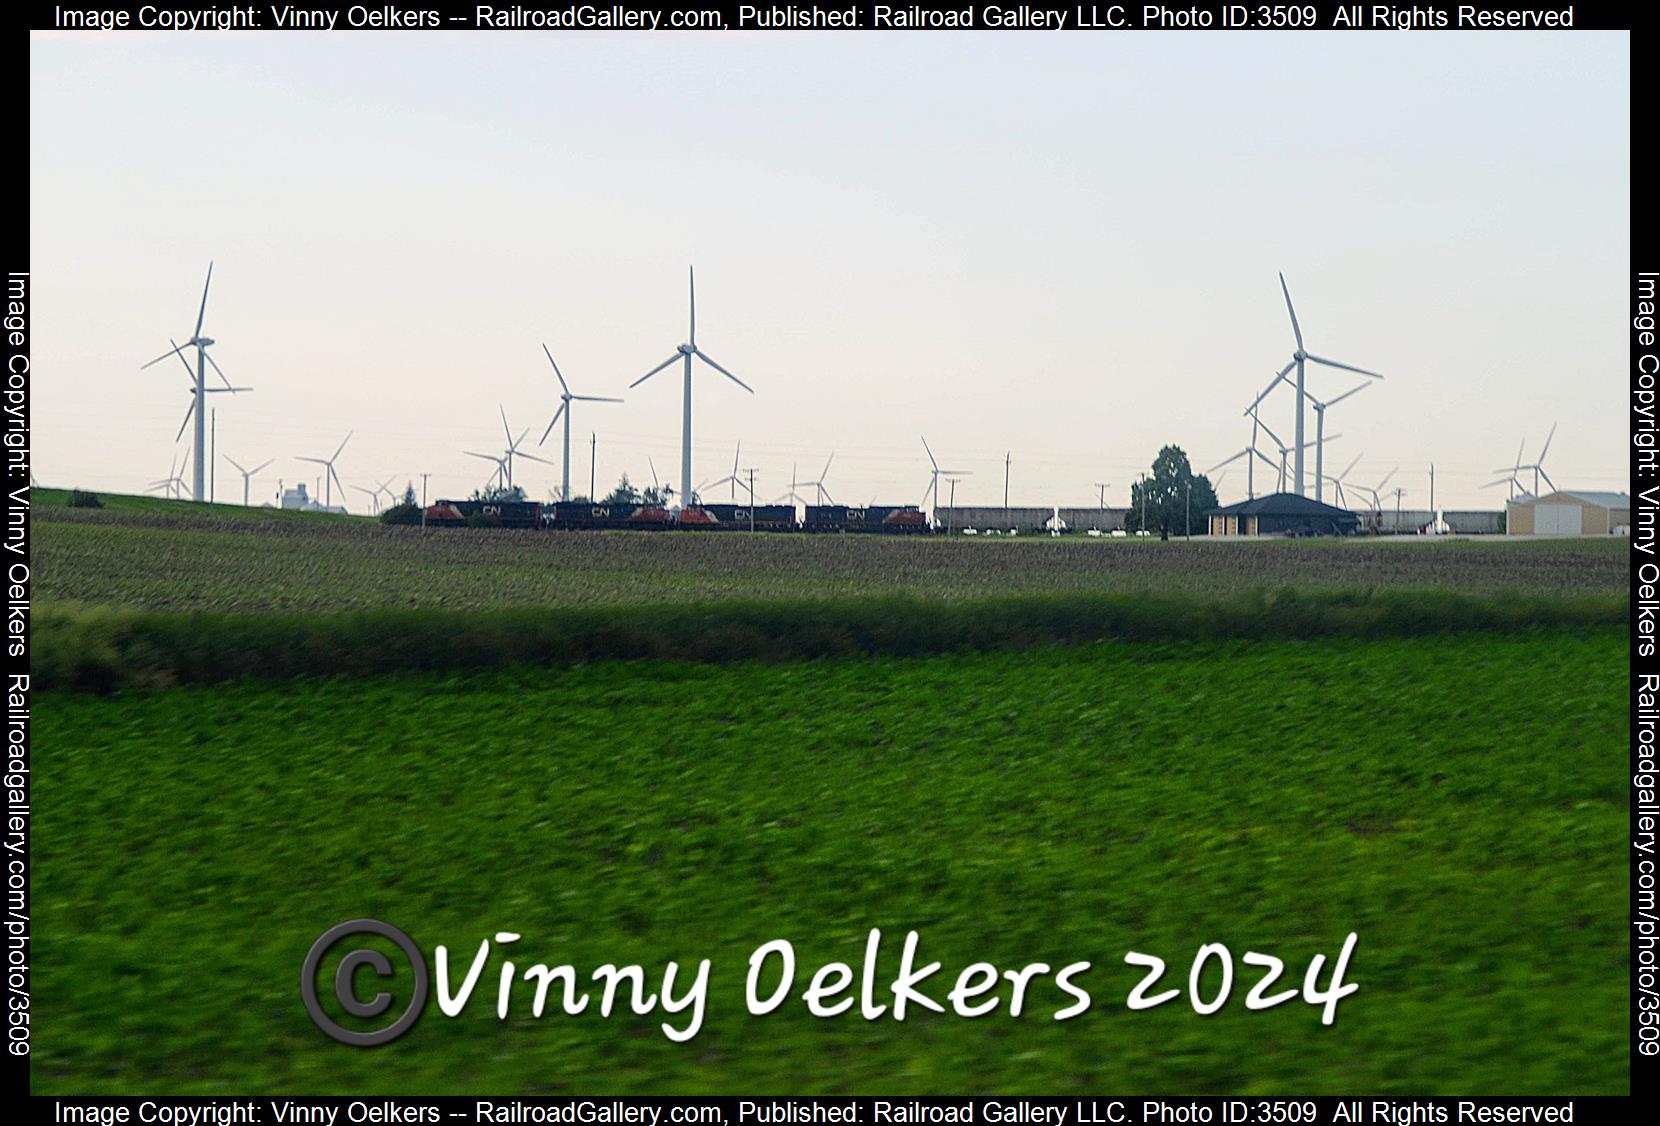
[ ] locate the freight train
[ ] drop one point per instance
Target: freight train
(825, 518)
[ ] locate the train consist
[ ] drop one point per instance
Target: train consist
(576, 515)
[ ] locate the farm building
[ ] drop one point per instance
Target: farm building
(1570, 514)
(1281, 514)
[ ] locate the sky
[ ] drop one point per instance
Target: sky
(1059, 247)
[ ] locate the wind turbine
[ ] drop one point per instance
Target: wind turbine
(172, 484)
(934, 481)
(373, 495)
(1337, 481)
(1377, 490)
(1285, 450)
(792, 496)
(330, 477)
(247, 474)
(199, 387)
(824, 493)
(1250, 465)
(513, 450)
(565, 401)
(1538, 465)
(683, 354)
(731, 478)
(1298, 359)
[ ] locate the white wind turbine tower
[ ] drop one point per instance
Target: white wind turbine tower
(683, 354)
(330, 477)
(198, 405)
(934, 481)
(247, 475)
(1537, 465)
(1298, 359)
(565, 401)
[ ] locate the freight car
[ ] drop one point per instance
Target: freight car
(494, 513)
(902, 520)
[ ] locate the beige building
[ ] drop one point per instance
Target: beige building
(1570, 513)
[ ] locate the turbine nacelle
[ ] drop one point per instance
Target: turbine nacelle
(685, 349)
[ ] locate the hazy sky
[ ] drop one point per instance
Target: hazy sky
(1060, 245)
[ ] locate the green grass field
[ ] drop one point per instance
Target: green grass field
(638, 748)
(1454, 801)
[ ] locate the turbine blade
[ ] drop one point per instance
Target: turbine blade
(597, 399)
(1352, 391)
(1546, 476)
(533, 457)
(1345, 367)
(316, 460)
(188, 412)
(175, 351)
(209, 358)
(553, 420)
(556, 371)
(1543, 452)
(234, 462)
(1352, 464)
(201, 314)
(1227, 461)
(930, 454)
(1385, 480)
(1295, 327)
(343, 442)
(504, 427)
(260, 466)
(705, 358)
(655, 370)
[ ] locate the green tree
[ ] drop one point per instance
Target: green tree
(1173, 497)
(624, 493)
(406, 511)
(498, 494)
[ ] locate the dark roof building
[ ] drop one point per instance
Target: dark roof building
(1282, 514)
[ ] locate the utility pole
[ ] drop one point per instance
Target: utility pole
(593, 452)
(752, 499)
(1143, 528)
(213, 470)
(1432, 494)
(1398, 493)
(1187, 513)
(1006, 458)
(953, 510)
